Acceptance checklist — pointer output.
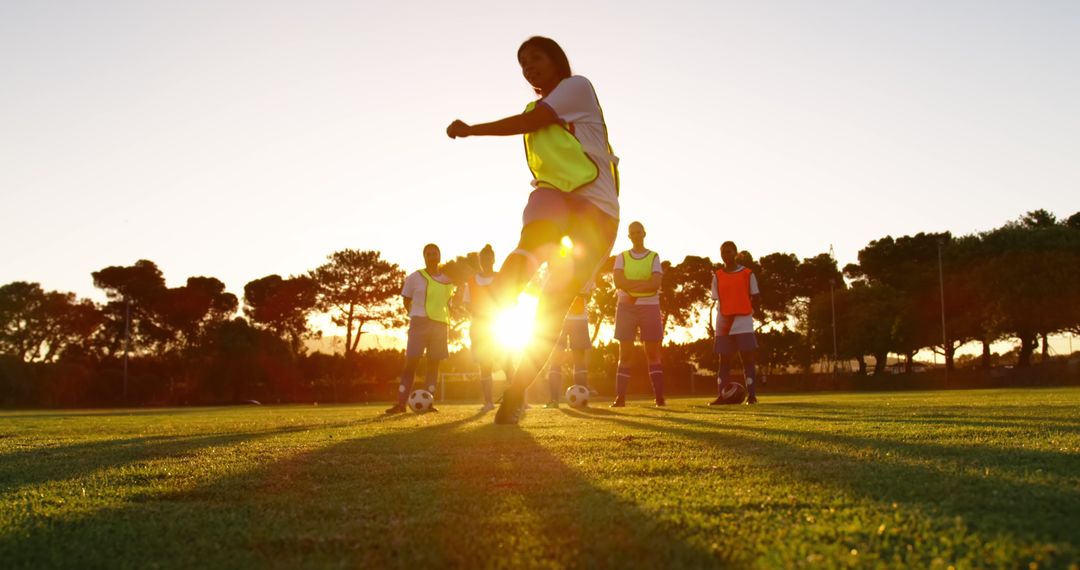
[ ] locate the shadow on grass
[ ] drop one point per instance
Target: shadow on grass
(43, 464)
(982, 484)
(449, 494)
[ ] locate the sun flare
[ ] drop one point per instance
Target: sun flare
(514, 325)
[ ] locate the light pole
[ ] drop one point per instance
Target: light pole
(941, 287)
(127, 341)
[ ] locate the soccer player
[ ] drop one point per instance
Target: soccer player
(637, 277)
(427, 294)
(480, 304)
(575, 199)
(575, 336)
(735, 288)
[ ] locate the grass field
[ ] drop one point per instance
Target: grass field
(927, 479)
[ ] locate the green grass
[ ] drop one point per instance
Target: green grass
(936, 479)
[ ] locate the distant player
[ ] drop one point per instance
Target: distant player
(638, 275)
(575, 198)
(480, 302)
(575, 336)
(427, 294)
(735, 288)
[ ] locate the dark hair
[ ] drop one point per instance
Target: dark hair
(487, 249)
(553, 51)
(731, 243)
(432, 245)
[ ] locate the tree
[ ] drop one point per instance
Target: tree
(604, 300)
(358, 288)
(138, 287)
(1029, 278)
(282, 306)
(38, 326)
(187, 311)
(685, 294)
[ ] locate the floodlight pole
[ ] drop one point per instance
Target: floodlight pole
(832, 307)
(127, 341)
(941, 287)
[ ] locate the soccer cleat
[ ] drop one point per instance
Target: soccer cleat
(397, 409)
(510, 409)
(552, 405)
(719, 401)
(487, 407)
(750, 401)
(660, 403)
(618, 403)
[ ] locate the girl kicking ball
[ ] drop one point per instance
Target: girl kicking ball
(575, 197)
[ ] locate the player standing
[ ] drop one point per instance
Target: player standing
(480, 303)
(426, 294)
(638, 275)
(735, 288)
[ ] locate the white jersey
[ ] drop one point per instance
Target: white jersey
(574, 103)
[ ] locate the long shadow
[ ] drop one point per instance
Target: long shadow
(446, 495)
(988, 503)
(939, 420)
(43, 464)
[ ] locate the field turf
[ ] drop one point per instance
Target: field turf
(958, 479)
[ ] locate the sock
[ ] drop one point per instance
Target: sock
(750, 374)
(555, 382)
(622, 380)
(405, 387)
(722, 376)
(581, 376)
(485, 388)
(656, 376)
(432, 376)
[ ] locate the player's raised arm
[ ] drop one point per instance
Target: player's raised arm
(539, 117)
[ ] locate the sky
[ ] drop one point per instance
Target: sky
(241, 139)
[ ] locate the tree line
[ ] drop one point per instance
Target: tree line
(188, 344)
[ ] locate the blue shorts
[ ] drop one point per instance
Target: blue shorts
(575, 335)
(629, 319)
(730, 344)
(426, 335)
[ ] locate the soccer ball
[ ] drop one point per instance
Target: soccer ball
(577, 396)
(421, 401)
(733, 393)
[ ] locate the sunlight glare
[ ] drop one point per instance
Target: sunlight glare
(514, 325)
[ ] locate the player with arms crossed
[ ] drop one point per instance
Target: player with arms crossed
(638, 275)
(575, 196)
(735, 288)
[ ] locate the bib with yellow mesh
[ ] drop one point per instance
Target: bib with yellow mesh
(556, 158)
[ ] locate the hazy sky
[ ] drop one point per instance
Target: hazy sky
(240, 139)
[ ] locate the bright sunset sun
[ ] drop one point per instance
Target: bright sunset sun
(514, 325)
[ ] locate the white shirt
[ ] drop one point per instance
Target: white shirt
(574, 101)
(415, 288)
(480, 280)
(742, 323)
(624, 297)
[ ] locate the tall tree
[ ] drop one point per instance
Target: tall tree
(358, 288)
(685, 293)
(140, 288)
(282, 306)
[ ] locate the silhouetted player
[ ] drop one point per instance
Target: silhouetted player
(736, 289)
(575, 180)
